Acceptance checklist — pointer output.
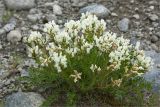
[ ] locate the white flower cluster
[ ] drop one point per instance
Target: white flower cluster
(34, 51)
(91, 23)
(35, 37)
(79, 38)
(117, 47)
(51, 28)
(59, 60)
(144, 61)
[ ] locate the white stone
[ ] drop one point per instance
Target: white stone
(114, 14)
(14, 36)
(151, 7)
(136, 16)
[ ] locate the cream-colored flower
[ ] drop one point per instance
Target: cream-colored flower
(99, 69)
(93, 67)
(76, 76)
(44, 61)
(117, 82)
(34, 50)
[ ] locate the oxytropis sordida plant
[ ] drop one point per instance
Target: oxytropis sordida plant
(85, 57)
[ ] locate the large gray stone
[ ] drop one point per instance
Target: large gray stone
(97, 9)
(19, 4)
(21, 99)
(153, 75)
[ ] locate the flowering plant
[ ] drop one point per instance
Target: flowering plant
(85, 57)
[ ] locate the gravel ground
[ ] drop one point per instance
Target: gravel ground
(138, 20)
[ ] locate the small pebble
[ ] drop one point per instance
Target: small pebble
(114, 14)
(136, 16)
(151, 7)
(123, 24)
(154, 38)
(153, 17)
(154, 47)
(158, 65)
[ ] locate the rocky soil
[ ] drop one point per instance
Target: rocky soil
(138, 20)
